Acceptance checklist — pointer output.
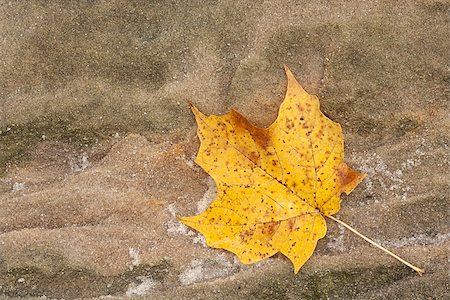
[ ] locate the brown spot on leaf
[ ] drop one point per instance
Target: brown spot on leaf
(244, 235)
(259, 135)
(269, 228)
(254, 157)
(289, 124)
(291, 223)
(348, 178)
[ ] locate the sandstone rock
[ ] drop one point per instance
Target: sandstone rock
(97, 143)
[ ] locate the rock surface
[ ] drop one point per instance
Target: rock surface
(97, 143)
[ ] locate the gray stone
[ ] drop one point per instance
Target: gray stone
(97, 143)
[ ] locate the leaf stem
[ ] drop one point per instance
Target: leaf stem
(418, 270)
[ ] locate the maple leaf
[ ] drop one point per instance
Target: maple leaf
(275, 185)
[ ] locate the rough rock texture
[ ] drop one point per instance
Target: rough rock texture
(97, 143)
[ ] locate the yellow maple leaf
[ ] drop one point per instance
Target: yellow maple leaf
(276, 184)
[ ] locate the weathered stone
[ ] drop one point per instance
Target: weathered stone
(97, 143)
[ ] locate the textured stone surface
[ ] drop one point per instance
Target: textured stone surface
(97, 143)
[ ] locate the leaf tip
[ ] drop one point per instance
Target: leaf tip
(288, 73)
(349, 178)
(194, 109)
(293, 85)
(192, 106)
(286, 69)
(184, 220)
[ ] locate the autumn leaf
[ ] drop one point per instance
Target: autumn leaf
(275, 185)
